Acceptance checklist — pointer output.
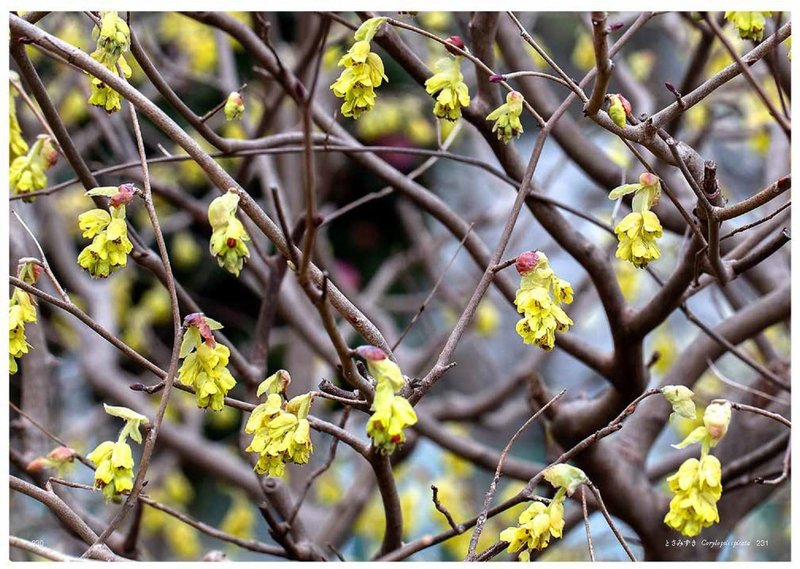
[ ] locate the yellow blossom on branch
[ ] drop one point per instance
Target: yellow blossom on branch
(447, 84)
(750, 25)
(507, 124)
(228, 235)
(697, 487)
(363, 72)
(391, 413)
(539, 299)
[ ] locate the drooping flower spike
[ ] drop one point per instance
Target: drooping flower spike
(108, 231)
(507, 124)
(280, 429)
(228, 237)
(539, 300)
(392, 413)
(638, 231)
(363, 72)
(205, 362)
(113, 41)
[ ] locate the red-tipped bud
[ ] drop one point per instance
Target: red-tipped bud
(124, 196)
(616, 26)
(197, 320)
(526, 262)
(455, 41)
(496, 78)
(648, 179)
(36, 465)
(61, 454)
(370, 353)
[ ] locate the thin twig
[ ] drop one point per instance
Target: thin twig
(473, 544)
(43, 261)
(441, 507)
(586, 523)
(436, 285)
(603, 64)
(602, 507)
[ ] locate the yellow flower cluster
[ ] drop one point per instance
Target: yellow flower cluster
(448, 82)
(281, 431)
(507, 124)
(637, 234)
(391, 413)
(205, 363)
(27, 172)
(536, 525)
(110, 245)
(638, 231)
(750, 25)
(21, 310)
(17, 145)
(363, 72)
(114, 460)
(228, 235)
(113, 41)
(539, 299)
(697, 487)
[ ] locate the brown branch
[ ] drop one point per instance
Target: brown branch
(784, 123)
(444, 511)
(603, 64)
(586, 523)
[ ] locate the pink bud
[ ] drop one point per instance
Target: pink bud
(36, 465)
(526, 262)
(370, 353)
(61, 454)
(648, 179)
(197, 320)
(495, 78)
(124, 196)
(454, 41)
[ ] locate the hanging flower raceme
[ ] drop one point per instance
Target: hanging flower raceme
(17, 145)
(539, 522)
(539, 300)
(228, 235)
(750, 25)
(698, 483)
(280, 429)
(391, 413)
(507, 124)
(447, 84)
(363, 72)
(108, 231)
(638, 231)
(114, 459)
(113, 41)
(21, 310)
(205, 362)
(27, 172)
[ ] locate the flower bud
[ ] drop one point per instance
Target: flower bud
(619, 109)
(526, 262)
(680, 397)
(648, 179)
(234, 106)
(716, 418)
(49, 152)
(565, 476)
(454, 41)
